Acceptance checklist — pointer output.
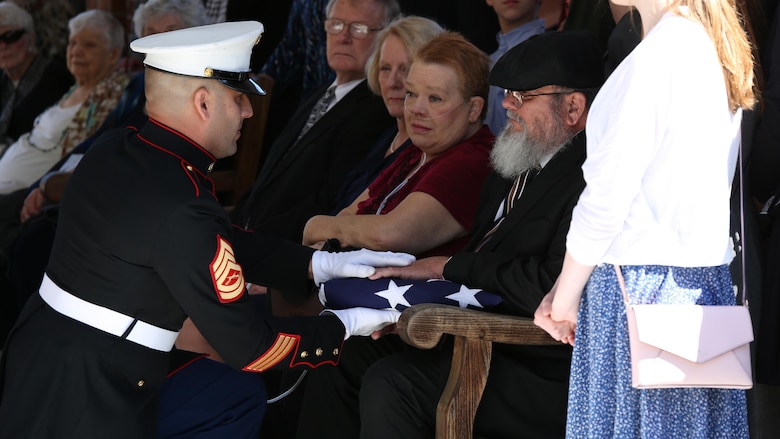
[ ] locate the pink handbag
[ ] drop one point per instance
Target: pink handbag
(688, 345)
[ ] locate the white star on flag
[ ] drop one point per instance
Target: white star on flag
(465, 297)
(395, 294)
(402, 293)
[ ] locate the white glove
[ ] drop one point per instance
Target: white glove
(326, 266)
(364, 321)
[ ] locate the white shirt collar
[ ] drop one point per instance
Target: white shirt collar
(344, 89)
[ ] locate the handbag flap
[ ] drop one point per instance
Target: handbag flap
(694, 332)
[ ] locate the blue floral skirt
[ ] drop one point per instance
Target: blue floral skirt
(602, 403)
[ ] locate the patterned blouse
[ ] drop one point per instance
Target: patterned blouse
(93, 110)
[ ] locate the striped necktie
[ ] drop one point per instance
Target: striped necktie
(514, 194)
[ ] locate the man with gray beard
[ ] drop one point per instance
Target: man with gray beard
(515, 152)
(516, 250)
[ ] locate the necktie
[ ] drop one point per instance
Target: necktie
(514, 193)
(319, 110)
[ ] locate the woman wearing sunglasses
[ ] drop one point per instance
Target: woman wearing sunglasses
(23, 93)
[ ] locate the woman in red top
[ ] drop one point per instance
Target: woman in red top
(424, 203)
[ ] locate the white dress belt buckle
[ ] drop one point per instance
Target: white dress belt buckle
(106, 320)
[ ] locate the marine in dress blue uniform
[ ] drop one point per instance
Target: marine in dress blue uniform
(142, 243)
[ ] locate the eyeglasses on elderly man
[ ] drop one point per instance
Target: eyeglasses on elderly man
(520, 96)
(356, 30)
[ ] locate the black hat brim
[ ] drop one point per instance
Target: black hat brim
(248, 86)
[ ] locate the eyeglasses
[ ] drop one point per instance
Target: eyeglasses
(519, 96)
(356, 30)
(12, 36)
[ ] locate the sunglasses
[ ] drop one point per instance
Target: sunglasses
(12, 36)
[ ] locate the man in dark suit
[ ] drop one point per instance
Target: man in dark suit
(517, 251)
(306, 164)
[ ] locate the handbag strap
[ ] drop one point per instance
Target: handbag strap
(742, 226)
(622, 283)
(619, 272)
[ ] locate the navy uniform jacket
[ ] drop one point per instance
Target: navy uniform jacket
(141, 232)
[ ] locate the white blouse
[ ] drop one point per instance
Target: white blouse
(34, 153)
(661, 155)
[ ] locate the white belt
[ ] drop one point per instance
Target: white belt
(105, 319)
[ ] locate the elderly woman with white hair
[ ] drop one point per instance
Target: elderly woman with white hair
(34, 238)
(23, 95)
(28, 204)
(156, 16)
(96, 40)
(152, 17)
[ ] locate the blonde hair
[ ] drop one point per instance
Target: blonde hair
(413, 32)
(724, 26)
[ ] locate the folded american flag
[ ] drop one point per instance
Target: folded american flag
(402, 293)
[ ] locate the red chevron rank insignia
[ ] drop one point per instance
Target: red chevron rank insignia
(226, 273)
